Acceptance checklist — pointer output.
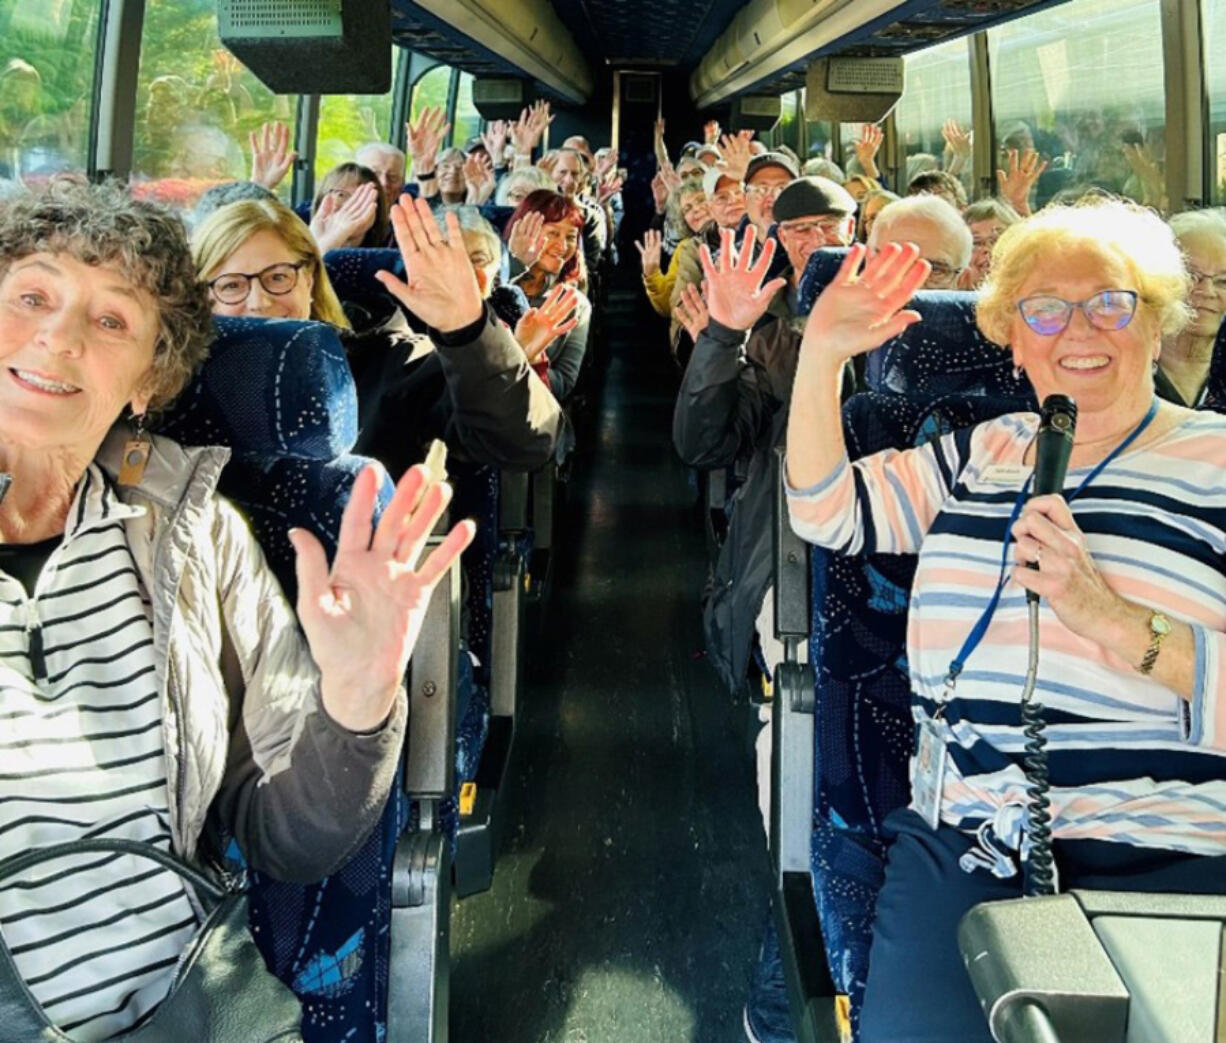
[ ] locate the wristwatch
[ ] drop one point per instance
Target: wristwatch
(1159, 627)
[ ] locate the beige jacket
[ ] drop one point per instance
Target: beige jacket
(245, 732)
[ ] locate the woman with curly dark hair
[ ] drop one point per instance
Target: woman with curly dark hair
(156, 685)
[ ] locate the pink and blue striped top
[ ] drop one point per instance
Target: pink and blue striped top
(1130, 760)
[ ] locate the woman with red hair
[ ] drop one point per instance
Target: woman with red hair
(543, 236)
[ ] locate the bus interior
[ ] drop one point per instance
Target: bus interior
(654, 734)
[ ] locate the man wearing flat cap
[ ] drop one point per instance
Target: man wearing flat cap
(732, 407)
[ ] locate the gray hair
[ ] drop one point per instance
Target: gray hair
(473, 225)
(379, 148)
(933, 210)
(103, 224)
(822, 167)
(533, 177)
(1206, 227)
(230, 192)
(673, 218)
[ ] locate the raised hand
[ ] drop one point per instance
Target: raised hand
(735, 295)
(495, 140)
(271, 156)
(425, 136)
(672, 179)
(479, 179)
(691, 311)
(1016, 182)
(539, 118)
(539, 327)
(607, 189)
(658, 128)
(1147, 171)
(527, 240)
(441, 287)
(957, 144)
(362, 617)
(547, 163)
(606, 162)
(649, 250)
(710, 132)
(735, 154)
(335, 224)
(867, 146)
(659, 192)
(862, 309)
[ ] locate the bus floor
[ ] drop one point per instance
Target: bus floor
(632, 888)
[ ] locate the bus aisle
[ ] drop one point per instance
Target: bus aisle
(633, 856)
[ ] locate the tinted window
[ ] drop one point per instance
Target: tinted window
(347, 122)
(196, 104)
(1214, 21)
(1082, 82)
(938, 88)
(47, 52)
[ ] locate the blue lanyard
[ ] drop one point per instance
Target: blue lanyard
(981, 626)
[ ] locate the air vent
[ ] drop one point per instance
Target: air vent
(639, 89)
(283, 18)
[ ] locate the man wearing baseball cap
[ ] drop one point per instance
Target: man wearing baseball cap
(765, 177)
(725, 197)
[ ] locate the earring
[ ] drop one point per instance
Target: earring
(136, 452)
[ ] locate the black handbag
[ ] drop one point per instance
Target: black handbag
(222, 990)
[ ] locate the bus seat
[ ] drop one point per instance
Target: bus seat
(303, 210)
(279, 395)
(944, 354)
(509, 303)
(820, 269)
(862, 730)
(352, 272)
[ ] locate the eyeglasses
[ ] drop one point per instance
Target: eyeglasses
(277, 279)
(728, 198)
(942, 274)
(1216, 282)
(823, 227)
(1107, 310)
(764, 190)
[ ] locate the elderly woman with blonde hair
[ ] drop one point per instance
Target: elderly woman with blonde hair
(1129, 563)
(1187, 356)
(470, 386)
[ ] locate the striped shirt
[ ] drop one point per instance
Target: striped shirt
(1130, 760)
(96, 937)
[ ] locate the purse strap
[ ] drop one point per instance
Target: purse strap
(16, 864)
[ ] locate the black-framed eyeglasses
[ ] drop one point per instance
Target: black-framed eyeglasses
(1106, 310)
(277, 279)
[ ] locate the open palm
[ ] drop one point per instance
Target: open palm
(735, 295)
(362, 616)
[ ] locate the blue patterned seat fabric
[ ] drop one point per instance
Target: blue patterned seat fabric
(864, 731)
(821, 267)
(352, 273)
(279, 394)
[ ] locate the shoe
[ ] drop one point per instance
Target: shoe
(768, 1015)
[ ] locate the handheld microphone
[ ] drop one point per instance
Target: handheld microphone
(1053, 447)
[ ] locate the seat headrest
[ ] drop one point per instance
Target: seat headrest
(509, 303)
(944, 354)
(820, 269)
(352, 273)
(271, 387)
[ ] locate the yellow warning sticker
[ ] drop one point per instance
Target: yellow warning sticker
(468, 798)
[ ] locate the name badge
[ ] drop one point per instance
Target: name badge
(929, 773)
(1008, 475)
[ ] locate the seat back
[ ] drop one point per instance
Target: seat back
(863, 729)
(279, 395)
(820, 269)
(352, 273)
(943, 354)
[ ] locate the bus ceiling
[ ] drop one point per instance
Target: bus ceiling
(771, 47)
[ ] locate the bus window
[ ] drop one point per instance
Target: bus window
(1214, 21)
(47, 54)
(818, 134)
(1082, 84)
(346, 123)
(938, 88)
(196, 105)
(467, 121)
(787, 130)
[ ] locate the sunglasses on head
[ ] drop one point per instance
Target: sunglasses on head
(1107, 310)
